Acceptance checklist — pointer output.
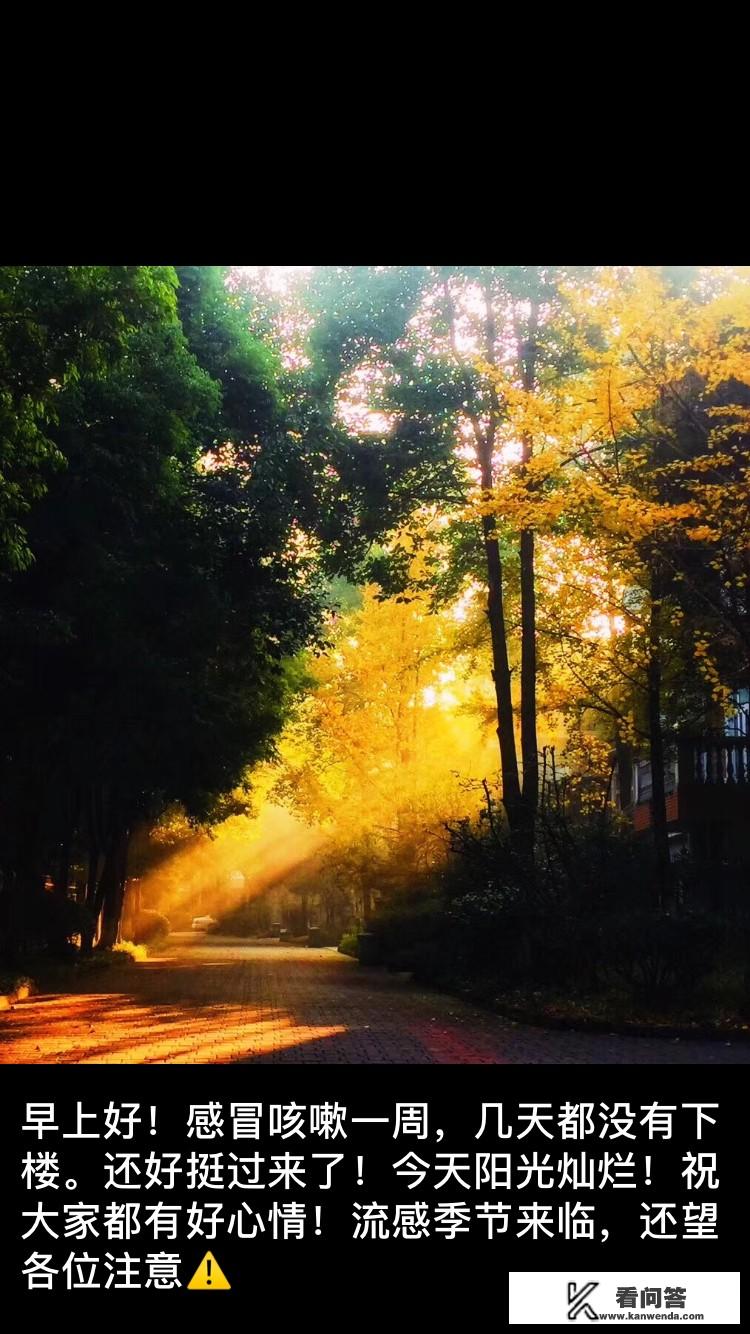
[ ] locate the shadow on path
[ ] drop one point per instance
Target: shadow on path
(221, 1000)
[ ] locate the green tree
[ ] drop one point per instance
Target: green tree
(57, 323)
(146, 649)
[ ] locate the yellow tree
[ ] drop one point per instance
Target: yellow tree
(386, 746)
(642, 449)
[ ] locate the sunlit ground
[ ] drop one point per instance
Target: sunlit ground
(212, 1000)
(99, 1029)
(172, 1018)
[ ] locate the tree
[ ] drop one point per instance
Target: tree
(365, 753)
(438, 357)
(146, 649)
(645, 456)
(56, 324)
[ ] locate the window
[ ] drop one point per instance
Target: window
(643, 785)
(737, 724)
(643, 781)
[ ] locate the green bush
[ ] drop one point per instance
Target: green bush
(657, 953)
(348, 944)
(651, 953)
(46, 923)
(583, 918)
(414, 934)
(150, 928)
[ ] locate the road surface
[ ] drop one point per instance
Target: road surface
(211, 999)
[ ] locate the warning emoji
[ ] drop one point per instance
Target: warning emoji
(208, 1277)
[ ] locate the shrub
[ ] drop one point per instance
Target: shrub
(348, 944)
(47, 923)
(150, 928)
(582, 918)
(414, 933)
(655, 953)
(13, 982)
(138, 953)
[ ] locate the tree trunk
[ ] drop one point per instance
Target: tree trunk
(501, 673)
(501, 677)
(63, 870)
(484, 444)
(112, 888)
(69, 813)
(656, 748)
(529, 742)
(624, 762)
(90, 897)
(92, 876)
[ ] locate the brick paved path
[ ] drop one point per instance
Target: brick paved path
(211, 999)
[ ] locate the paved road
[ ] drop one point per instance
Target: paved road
(213, 999)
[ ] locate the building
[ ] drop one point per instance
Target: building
(707, 780)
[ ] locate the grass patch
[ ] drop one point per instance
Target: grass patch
(138, 953)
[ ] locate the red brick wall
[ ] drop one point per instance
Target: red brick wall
(642, 814)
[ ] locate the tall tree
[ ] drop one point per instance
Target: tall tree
(646, 454)
(439, 374)
(145, 647)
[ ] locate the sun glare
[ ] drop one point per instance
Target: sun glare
(277, 277)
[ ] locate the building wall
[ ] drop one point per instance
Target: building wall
(642, 813)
